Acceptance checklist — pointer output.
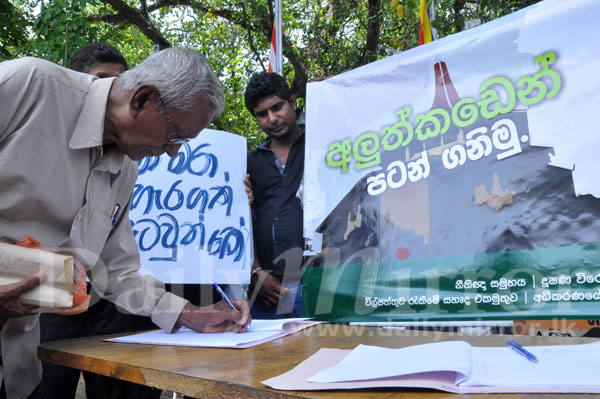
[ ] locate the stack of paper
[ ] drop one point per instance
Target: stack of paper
(56, 292)
(260, 331)
(450, 366)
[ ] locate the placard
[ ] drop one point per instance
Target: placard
(190, 213)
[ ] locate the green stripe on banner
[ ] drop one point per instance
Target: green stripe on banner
(538, 283)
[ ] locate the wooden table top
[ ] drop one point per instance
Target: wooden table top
(237, 373)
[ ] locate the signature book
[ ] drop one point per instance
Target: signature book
(453, 366)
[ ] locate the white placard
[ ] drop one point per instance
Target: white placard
(190, 213)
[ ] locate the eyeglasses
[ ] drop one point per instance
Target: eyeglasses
(172, 137)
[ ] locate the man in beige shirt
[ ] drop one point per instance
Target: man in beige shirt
(68, 143)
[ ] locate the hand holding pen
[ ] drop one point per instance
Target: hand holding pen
(229, 303)
(215, 318)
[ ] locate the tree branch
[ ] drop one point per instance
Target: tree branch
(145, 9)
(263, 25)
(457, 7)
(110, 18)
(373, 29)
(250, 39)
(136, 18)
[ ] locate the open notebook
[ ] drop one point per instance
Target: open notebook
(452, 366)
(261, 331)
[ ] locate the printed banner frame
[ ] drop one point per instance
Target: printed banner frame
(459, 179)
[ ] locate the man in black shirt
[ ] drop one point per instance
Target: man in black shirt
(276, 168)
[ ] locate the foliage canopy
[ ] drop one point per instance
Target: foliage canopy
(321, 37)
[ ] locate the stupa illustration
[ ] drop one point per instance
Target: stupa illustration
(485, 206)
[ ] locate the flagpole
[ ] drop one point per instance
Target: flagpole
(432, 18)
(278, 39)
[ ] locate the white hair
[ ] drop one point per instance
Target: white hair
(182, 76)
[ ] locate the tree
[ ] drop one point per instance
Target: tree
(322, 37)
(12, 31)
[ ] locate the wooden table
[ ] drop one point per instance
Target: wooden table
(237, 373)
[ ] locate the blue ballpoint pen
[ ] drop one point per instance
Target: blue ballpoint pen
(226, 298)
(522, 351)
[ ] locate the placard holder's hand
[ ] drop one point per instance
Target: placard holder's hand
(10, 306)
(216, 318)
(270, 289)
(248, 189)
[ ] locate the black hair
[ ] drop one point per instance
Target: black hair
(265, 84)
(97, 53)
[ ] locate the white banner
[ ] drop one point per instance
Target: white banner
(460, 179)
(349, 110)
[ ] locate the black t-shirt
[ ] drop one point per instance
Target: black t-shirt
(277, 210)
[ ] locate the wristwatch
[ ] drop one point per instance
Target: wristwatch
(254, 271)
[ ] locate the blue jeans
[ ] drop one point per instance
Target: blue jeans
(288, 306)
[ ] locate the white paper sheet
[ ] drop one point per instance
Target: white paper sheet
(559, 365)
(296, 379)
(261, 331)
(370, 362)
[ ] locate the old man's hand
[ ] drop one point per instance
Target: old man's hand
(216, 318)
(10, 306)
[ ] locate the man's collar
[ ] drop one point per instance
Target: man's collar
(267, 142)
(89, 131)
(112, 160)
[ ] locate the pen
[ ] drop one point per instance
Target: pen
(226, 298)
(115, 213)
(522, 351)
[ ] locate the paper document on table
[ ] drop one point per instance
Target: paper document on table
(296, 379)
(384, 362)
(449, 366)
(557, 366)
(261, 331)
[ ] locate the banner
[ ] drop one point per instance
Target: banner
(460, 179)
(190, 213)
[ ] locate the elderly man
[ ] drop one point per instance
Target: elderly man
(68, 143)
(104, 61)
